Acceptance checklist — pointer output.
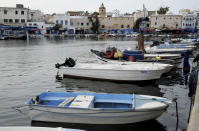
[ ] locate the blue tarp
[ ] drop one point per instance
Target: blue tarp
(190, 29)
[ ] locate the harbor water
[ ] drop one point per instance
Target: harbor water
(28, 68)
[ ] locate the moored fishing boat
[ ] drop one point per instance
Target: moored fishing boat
(167, 50)
(173, 59)
(115, 71)
(95, 108)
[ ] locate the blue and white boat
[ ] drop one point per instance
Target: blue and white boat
(95, 108)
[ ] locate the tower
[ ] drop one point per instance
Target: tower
(102, 11)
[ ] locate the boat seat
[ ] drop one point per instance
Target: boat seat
(83, 101)
(66, 101)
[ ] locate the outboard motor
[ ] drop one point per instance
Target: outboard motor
(69, 62)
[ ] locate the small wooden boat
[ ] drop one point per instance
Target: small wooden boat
(113, 71)
(95, 108)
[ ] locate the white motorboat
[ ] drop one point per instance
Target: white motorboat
(167, 50)
(114, 71)
(95, 108)
(29, 128)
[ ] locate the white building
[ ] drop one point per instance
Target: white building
(62, 19)
(197, 19)
(39, 25)
(36, 15)
(14, 16)
(168, 21)
(188, 21)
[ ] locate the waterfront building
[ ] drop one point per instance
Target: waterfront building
(79, 24)
(143, 13)
(14, 16)
(197, 19)
(115, 23)
(61, 19)
(36, 15)
(166, 21)
(188, 21)
(40, 27)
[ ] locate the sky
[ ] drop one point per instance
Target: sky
(124, 6)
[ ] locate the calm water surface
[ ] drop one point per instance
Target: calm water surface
(27, 69)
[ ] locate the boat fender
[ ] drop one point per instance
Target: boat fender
(109, 53)
(120, 54)
(116, 55)
(131, 58)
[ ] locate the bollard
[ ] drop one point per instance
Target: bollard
(141, 42)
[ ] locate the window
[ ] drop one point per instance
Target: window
(30, 24)
(163, 25)
(16, 20)
(5, 20)
(71, 23)
(22, 12)
(23, 20)
(5, 12)
(156, 18)
(35, 24)
(78, 23)
(10, 20)
(42, 27)
(82, 24)
(62, 22)
(102, 26)
(128, 26)
(176, 25)
(16, 12)
(87, 24)
(155, 23)
(57, 22)
(122, 26)
(66, 22)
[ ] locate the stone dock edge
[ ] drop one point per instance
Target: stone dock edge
(194, 118)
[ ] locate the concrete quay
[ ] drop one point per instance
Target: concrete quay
(194, 118)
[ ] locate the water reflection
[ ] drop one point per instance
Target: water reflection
(152, 125)
(146, 88)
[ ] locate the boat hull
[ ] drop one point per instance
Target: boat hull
(92, 116)
(112, 75)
